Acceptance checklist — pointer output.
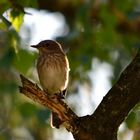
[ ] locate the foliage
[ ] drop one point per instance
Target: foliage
(106, 30)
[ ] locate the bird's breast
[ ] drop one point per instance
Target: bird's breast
(53, 72)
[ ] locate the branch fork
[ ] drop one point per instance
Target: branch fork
(106, 119)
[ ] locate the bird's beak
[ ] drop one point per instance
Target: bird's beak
(34, 46)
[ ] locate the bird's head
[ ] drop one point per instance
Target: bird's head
(48, 46)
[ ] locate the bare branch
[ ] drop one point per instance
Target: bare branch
(32, 91)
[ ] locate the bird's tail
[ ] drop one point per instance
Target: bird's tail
(55, 120)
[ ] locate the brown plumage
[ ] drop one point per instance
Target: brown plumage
(53, 69)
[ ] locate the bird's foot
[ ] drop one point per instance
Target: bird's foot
(56, 97)
(63, 93)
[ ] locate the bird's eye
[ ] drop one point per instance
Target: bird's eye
(47, 44)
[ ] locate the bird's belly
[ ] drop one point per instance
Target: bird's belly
(53, 80)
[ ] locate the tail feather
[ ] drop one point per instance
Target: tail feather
(55, 121)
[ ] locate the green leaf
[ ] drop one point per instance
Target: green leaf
(109, 20)
(7, 86)
(7, 59)
(4, 6)
(5, 21)
(24, 61)
(131, 120)
(27, 110)
(43, 115)
(13, 40)
(16, 18)
(27, 3)
(125, 5)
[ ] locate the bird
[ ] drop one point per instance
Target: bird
(53, 72)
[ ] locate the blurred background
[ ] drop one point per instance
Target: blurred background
(100, 37)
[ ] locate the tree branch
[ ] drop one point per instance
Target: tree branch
(104, 122)
(32, 91)
(115, 106)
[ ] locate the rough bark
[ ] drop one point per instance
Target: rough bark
(113, 109)
(115, 106)
(58, 106)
